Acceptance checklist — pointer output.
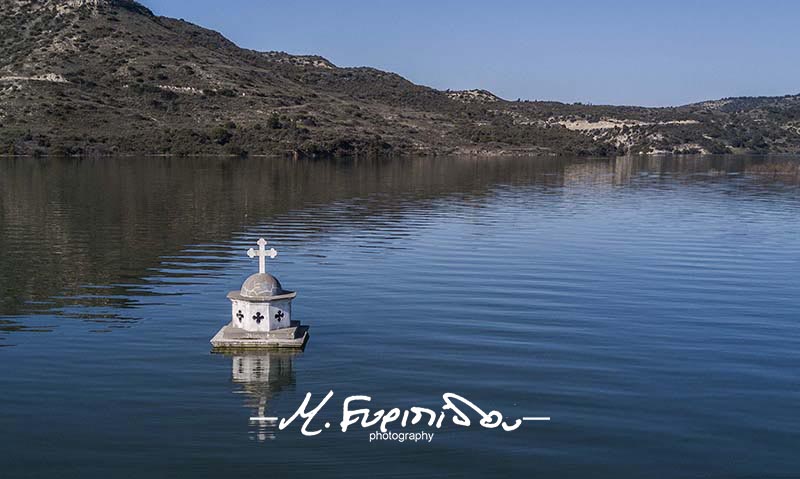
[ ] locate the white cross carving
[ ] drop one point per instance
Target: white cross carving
(262, 254)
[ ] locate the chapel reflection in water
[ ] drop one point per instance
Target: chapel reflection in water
(261, 375)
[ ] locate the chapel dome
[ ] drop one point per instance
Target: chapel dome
(261, 284)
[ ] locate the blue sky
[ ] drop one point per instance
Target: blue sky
(612, 52)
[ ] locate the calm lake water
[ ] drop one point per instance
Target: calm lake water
(649, 306)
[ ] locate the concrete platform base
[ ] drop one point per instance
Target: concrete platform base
(231, 337)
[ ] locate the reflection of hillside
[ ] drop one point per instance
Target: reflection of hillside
(71, 224)
(620, 171)
(784, 171)
(92, 231)
(261, 375)
(588, 172)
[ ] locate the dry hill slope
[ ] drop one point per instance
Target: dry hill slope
(106, 76)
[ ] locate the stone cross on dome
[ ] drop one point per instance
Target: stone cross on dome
(262, 254)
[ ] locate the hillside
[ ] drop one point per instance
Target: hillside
(109, 76)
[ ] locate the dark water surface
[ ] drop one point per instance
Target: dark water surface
(649, 306)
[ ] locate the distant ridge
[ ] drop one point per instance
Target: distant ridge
(110, 76)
